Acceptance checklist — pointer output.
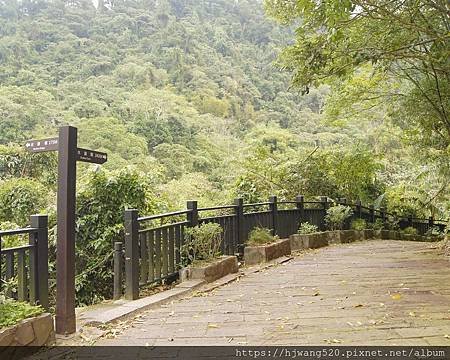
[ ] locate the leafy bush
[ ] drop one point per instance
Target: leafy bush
(377, 225)
(336, 216)
(392, 223)
(11, 312)
(307, 228)
(101, 202)
(261, 236)
(202, 242)
(410, 230)
(12, 240)
(434, 231)
(20, 198)
(359, 224)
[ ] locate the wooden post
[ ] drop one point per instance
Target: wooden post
(65, 247)
(118, 248)
(239, 211)
(274, 209)
(300, 204)
(372, 213)
(40, 222)
(410, 221)
(358, 209)
(131, 254)
(192, 215)
(383, 216)
(325, 205)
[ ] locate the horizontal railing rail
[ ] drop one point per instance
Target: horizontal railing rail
(160, 216)
(26, 265)
(153, 251)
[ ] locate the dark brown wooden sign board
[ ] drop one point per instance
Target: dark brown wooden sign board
(90, 156)
(37, 146)
(68, 155)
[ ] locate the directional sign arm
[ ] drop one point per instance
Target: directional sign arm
(91, 156)
(37, 146)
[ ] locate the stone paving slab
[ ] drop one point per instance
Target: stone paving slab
(376, 292)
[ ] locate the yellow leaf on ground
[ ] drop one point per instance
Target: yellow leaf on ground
(396, 296)
(213, 326)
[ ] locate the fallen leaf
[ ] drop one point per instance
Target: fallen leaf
(396, 296)
(412, 313)
(358, 305)
(213, 326)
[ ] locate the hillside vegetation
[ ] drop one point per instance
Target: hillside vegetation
(185, 98)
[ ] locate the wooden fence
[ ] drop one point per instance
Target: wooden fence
(27, 264)
(153, 243)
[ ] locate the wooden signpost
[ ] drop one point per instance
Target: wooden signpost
(68, 155)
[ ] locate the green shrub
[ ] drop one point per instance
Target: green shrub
(20, 198)
(12, 312)
(336, 216)
(102, 198)
(261, 236)
(12, 240)
(434, 231)
(410, 231)
(378, 224)
(202, 243)
(359, 224)
(307, 228)
(392, 223)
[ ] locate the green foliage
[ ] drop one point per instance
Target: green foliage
(12, 240)
(202, 243)
(12, 312)
(377, 225)
(410, 230)
(260, 236)
(434, 231)
(16, 162)
(337, 215)
(280, 166)
(392, 223)
(359, 224)
(101, 202)
(307, 228)
(19, 198)
(384, 61)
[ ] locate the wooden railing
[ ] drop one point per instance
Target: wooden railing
(27, 265)
(153, 243)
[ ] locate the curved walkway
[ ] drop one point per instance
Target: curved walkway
(366, 293)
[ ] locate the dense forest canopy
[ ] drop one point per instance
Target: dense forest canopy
(187, 100)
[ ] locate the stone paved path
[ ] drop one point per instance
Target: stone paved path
(366, 293)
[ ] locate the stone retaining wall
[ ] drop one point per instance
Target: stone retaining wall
(36, 331)
(317, 240)
(211, 272)
(258, 254)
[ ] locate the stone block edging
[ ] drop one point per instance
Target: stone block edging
(35, 331)
(221, 267)
(264, 253)
(321, 239)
